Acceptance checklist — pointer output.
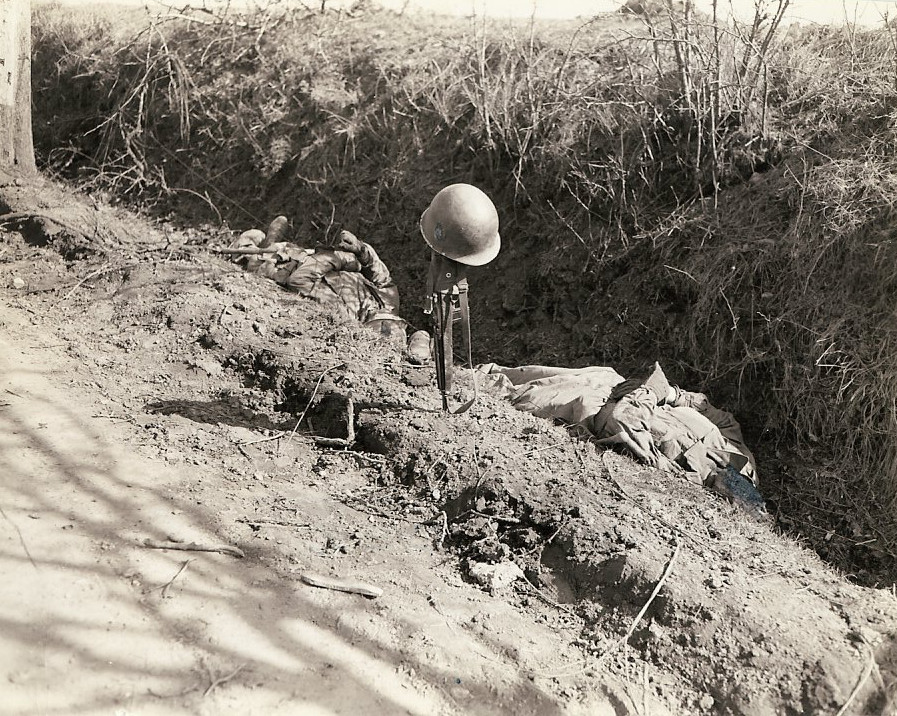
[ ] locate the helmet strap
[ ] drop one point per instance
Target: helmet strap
(444, 274)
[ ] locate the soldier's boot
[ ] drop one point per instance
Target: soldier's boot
(419, 350)
(277, 231)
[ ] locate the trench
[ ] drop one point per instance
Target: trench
(584, 549)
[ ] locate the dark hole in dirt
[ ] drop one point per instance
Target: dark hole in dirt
(573, 581)
(552, 575)
(331, 417)
(259, 370)
(43, 232)
(369, 437)
(295, 396)
(72, 248)
(32, 232)
(485, 499)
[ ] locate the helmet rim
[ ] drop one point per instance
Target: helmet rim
(469, 255)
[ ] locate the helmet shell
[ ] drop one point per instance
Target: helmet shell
(461, 224)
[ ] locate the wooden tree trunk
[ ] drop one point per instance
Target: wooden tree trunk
(16, 143)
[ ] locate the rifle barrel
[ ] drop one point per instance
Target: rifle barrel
(247, 250)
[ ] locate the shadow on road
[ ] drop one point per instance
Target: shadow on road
(88, 624)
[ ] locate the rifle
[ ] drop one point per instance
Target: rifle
(254, 250)
(243, 250)
(447, 303)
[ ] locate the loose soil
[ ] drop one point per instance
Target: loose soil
(153, 391)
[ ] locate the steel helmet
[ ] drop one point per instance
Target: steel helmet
(461, 223)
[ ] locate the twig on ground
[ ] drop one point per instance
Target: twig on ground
(377, 512)
(448, 622)
(645, 689)
(16, 527)
(476, 466)
(545, 599)
(279, 435)
(638, 617)
(165, 587)
(530, 453)
(870, 664)
(280, 523)
(125, 419)
(341, 585)
(223, 680)
(445, 531)
(194, 547)
(543, 545)
(376, 459)
(332, 443)
(93, 274)
(497, 518)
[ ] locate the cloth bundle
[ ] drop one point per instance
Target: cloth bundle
(660, 424)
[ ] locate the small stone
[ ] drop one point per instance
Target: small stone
(17, 282)
(497, 578)
(211, 367)
(706, 703)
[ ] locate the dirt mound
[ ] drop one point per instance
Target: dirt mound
(646, 572)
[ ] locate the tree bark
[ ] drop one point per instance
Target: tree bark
(16, 142)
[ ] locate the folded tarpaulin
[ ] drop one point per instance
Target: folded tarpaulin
(681, 431)
(568, 394)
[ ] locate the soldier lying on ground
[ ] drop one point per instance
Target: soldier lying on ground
(659, 423)
(348, 276)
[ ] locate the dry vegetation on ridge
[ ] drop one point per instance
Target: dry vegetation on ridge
(717, 198)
